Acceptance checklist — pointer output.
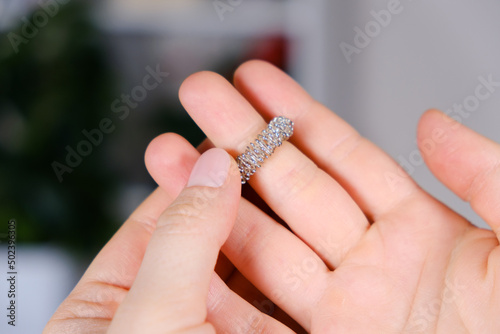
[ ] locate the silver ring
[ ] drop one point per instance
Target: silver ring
(277, 131)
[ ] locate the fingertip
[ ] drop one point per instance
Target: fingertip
(211, 170)
(435, 129)
(259, 73)
(464, 161)
(430, 113)
(216, 168)
(270, 90)
(169, 159)
(252, 66)
(427, 119)
(154, 148)
(196, 83)
(424, 123)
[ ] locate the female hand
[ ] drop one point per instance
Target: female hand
(156, 273)
(368, 250)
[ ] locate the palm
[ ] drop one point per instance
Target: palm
(418, 269)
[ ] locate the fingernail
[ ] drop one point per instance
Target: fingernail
(211, 169)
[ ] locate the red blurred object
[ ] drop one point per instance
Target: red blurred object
(273, 49)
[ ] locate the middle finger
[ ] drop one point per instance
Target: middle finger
(311, 202)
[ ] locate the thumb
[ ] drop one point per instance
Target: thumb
(170, 291)
(466, 162)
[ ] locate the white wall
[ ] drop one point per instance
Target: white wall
(430, 55)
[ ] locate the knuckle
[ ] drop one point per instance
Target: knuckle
(186, 215)
(482, 180)
(255, 324)
(346, 145)
(297, 179)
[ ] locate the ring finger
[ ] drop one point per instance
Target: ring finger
(311, 202)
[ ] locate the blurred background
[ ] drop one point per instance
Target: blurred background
(76, 116)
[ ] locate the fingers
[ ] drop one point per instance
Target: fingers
(307, 198)
(172, 284)
(169, 159)
(246, 290)
(94, 300)
(371, 178)
(466, 162)
(229, 313)
(278, 263)
(169, 162)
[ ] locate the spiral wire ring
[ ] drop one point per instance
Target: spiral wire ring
(277, 131)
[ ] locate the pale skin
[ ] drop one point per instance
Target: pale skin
(367, 250)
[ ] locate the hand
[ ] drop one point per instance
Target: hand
(164, 287)
(368, 250)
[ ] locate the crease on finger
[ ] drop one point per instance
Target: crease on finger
(93, 300)
(245, 318)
